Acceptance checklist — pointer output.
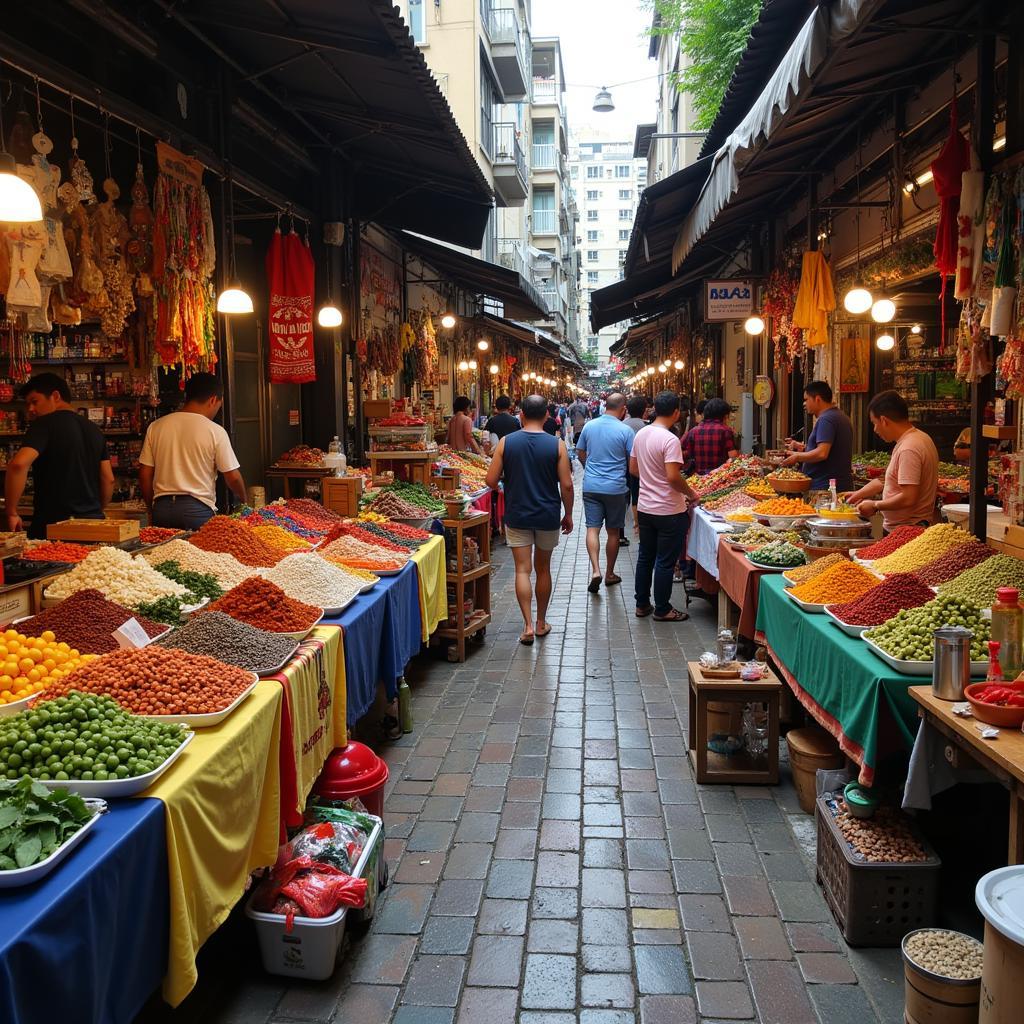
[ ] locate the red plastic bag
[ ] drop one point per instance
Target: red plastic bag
(307, 888)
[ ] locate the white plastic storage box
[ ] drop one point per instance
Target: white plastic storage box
(310, 949)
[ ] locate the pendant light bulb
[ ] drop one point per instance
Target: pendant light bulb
(448, 321)
(329, 315)
(493, 369)
(483, 345)
(885, 342)
(678, 364)
(754, 325)
(883, 310)
(472, 364)
(533, 376)
(19, 203)
(463, 366)
(234, 300)
(916, 329)
(857, 300)
(525, 376)
(662, 367)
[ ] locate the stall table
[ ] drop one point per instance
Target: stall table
(862, 702)
(702, 542)
(740, 582)
(1003, 758)
(288, 474)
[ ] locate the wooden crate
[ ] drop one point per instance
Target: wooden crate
(96, 531)
(377, 408)
(341, 494)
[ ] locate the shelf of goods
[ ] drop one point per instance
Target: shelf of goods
(469, 581)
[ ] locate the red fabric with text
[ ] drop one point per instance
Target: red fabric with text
(290, 276)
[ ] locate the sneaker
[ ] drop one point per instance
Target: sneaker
(624, 542)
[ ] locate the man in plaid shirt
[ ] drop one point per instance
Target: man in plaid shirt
(711, 442)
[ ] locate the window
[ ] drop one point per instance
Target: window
(592, 342)
(544, 215)
(625, 214)
(417, 22)
(592, 277)
(622, 170)
(489, 100)
(593, 172)
(591, 255)
(625, 193)
(591, 214)
(623, 234)
(592, 236)
(575, 171)
(593, 195)
(622, 255)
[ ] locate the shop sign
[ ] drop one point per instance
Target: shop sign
(764, 391)
(728, 300)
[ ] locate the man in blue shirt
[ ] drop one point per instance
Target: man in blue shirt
(604, 447)
(828, 453)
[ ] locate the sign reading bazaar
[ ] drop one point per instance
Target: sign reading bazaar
(728, 300)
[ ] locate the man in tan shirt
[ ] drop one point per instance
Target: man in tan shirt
(911, 482)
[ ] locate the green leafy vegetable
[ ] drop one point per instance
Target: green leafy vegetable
(34, 821)
(199, 583)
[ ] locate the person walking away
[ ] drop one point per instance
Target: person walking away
(460, 427)
(551, 424)
(828, 453)
(67, 456)
(603, 449)
(182, 454)
(712, 442)
(657, 460)
(538, 478)
(578, 414)
(637, 408)
(911, 482)
(502, 422)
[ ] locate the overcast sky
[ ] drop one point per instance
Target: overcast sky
(603, 42)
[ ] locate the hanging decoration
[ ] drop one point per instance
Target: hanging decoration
(779, 301)
(290, 282)
(383, 350)
(1003, 266)
(815, 298)
(948, 171)
(970, 229)
(427, 356)
(184, 256)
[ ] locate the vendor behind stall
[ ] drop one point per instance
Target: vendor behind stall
(68, 457)
(460, 427)
(181, 456)
(828, 454)
(911, 482)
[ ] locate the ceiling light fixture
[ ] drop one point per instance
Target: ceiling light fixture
(448, 321)
(234, 299)
(885, 342)
(754, 325)
(19, 203)
(883, 310)
(483, 344)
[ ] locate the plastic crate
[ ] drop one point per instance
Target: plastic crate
(874, 903)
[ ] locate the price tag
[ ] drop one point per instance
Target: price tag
(131, 635)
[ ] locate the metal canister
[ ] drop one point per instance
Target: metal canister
(952, 668)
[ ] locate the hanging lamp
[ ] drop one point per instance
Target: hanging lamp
(19, 203)
(603, 101)
(329, 315)
(858, 299)
(885, 342)
(754, 325)
(234, 299)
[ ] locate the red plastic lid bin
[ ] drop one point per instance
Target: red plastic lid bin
(354, 771)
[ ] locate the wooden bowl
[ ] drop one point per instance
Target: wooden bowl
(789, 486)
(992, 714)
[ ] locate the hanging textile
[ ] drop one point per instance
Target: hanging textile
(290, 275)
(815, 298)
(970, 229)
(948, 171)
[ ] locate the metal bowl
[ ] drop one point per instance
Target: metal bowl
(824, 528)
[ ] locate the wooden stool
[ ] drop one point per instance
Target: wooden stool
(737, 768)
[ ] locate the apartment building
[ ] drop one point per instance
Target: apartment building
(608, 181)
(507, 92)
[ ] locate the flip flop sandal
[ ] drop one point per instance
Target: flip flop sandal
(642, 613)
(594, 585)
(542, 632)
(673, 616)
(526, 639)
(611, 581)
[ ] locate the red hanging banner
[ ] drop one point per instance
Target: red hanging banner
(290, 275)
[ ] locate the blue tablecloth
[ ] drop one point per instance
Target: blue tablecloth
(89, 942)
(382, 632)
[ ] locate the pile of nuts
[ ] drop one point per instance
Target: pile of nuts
(233, 537)
(980, 583)
(947, 954)
(886, 837)
(887, 545)
(932, 544)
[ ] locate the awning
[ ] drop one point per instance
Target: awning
(348, 78)
(525, 333)
(515, 292)
(648, 284)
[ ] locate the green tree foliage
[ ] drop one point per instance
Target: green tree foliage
(712, 37)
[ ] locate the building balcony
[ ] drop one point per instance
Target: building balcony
(544, 92)
(545, 222)
(512, 256)
(510, 51)
(545, 157)
(508, 163)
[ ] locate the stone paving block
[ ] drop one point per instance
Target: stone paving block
(651, 882)
(667, 1010)
(646, 805)
(592, 1016)
(748, 896)
(677, 791)
(661, 970)
(447, 935)
(785, 867)
(647, 855)
(510, 879)
(525, 790)
(546, 1017)
(560, 835)
(696, 876)
(496, 961)
(607, 990)
(644, 828)
(806, 937)
(665, 917)
(704, 912)
(458, 897)
(563, 806)
(603, 887)
(607, 815)
(485, 798)
(424, 1015)
(493, 1006)
(762, 938)
(563, 780)
(441, 808)
(550, 982)
(531, 745)
(636, 758)
(604, 927)
(404, 910)
(405, 803)
(496, 753)
(430, 837)
(529, 766)
(381, 959)
(727, 828)
(477, 826)
(687, 815)
(737, 859)
(826, 969)
(760, 812)
(607, 958)
(450, 784)
(800, 901)
(515, 844)
(773, 838)
(843, 1004)
(558, 869)
(600, 773)
(521, 815)
(459, 761)
(491, 774)
(565, 757)
(602, 853)
(714, 956)
(435, 981)
(601, 795)
(725, 1000)
(555, 903)
(419, 868)
(503, 917)
(468, 860)
(421, 768)
(366, 1002)
(688, 844)
(779, 993)
(553, 936)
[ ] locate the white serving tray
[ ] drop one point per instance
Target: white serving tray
(769, 568)
(917, 668)
(814, 609)
(280, 667)
(338, 609)
(205, 721)
(846, 627)
(107, 789)
(299, 634)
(781, 522)
(18, 705)
(34, 872)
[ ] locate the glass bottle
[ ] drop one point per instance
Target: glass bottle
(1008, 630)
(995, 672)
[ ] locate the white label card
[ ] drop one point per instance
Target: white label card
(131, 635)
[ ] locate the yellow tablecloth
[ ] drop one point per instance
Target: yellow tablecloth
(430, 569)
(222, 800)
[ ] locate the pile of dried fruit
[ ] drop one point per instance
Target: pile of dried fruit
(885, 837)
(881, 603)
(731, 502)
(56, 551)
(934, 542)
(221, 533)
(947, 954)
(86, 622)
(787, 474)
(839, 583)
(266, 606)
(807, 572)
(783, 507)
(887, 545)
(157, 534)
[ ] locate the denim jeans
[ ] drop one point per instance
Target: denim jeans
(661, 541)
(181, 512)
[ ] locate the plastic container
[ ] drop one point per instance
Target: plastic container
(999, 896)
(993, 714)
(811, 749)
(354, 771)
(931, 998)
(1008, 630)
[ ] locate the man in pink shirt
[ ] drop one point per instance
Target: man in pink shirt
(912, 479)
(657, 460)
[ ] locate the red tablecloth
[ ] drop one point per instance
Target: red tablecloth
(493, 502)
(741, 581)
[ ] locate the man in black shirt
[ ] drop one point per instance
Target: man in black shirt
(502, 422)
(68, 458)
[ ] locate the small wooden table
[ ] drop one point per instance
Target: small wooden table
(303, 473)
(1002, 758)
(739, 768)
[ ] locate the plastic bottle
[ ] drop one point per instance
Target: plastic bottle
(833, 494)
(1008, 630)
(995, 672)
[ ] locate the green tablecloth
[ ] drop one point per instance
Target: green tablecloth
(849, 691)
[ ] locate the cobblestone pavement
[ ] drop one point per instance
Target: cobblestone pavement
(553, 861)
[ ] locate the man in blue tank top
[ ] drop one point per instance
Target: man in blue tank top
(538, 484)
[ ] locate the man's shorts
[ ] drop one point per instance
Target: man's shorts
(634, 489)
(543, 540)
(607, 510)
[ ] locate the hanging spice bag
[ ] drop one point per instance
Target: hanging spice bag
(290, 275)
